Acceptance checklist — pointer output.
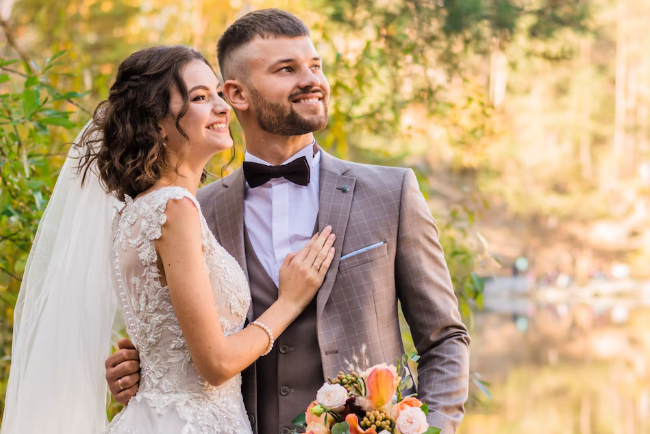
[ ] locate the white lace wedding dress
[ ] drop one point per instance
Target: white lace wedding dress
(172, 397)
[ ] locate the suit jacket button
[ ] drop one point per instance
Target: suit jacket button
(284, 391)
(285, 430)
(284, 349)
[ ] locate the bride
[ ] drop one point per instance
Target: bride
(183, 298)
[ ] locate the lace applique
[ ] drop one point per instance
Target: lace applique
(168, 376)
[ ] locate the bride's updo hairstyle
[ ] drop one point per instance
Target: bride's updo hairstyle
(124, 140)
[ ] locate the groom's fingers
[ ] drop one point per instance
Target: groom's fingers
(125, 343)
(121, 356)
(124, 396)
(122, 370)
(128, 381)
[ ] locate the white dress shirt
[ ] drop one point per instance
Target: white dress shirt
(280, 216)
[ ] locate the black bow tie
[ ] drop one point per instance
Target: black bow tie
(296, 171)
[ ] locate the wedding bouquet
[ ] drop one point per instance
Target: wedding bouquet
(369, 402)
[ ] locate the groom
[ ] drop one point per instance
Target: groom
(387, 246)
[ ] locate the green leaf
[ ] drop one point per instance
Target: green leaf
(300, 421)
(433, 430)
(7, 62)
(477, 282)
(414, 356)
(4, 78)
(483, 386)
(61, 122)
(70, 95)
(30, 101)
(51, 61)
(31, 81)
(425, 409)
(341, 428)
(406, 383)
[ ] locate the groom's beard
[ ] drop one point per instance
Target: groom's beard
(276, 119)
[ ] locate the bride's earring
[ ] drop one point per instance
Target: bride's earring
(164, 136)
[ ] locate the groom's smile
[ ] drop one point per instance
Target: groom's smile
(283, 84)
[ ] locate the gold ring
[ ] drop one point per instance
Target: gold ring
(317, 267)
(119, 383)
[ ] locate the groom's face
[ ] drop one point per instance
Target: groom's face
(287, 90)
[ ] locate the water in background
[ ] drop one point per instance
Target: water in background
(563, 360)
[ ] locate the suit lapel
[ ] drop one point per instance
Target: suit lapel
(230, 217)
(334, 209)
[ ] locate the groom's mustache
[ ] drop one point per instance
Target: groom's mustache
(305, 91)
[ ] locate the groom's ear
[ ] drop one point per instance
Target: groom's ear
(236, 95)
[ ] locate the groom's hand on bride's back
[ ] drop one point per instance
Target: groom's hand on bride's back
(123, 371)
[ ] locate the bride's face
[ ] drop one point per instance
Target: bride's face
(206, 120)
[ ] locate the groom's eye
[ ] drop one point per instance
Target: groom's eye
(285, 69)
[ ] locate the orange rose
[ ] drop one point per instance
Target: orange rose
(411, 401)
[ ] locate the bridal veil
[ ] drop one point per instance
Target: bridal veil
(64, 314)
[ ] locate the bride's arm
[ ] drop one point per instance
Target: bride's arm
(216, 357)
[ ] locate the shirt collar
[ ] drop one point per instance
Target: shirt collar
(307, 152)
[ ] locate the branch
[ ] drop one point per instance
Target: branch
(14, 44)
(14, 71)
(23, 55)
(10, 274)
(8, 237)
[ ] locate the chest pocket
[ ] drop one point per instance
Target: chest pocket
(363, 256)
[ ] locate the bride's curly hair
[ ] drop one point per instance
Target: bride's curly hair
(124, 143)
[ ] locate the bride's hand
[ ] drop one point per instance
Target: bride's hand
(303, 272)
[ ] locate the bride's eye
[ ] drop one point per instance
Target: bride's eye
(199, 98)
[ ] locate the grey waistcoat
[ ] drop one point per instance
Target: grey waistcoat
(288, 378)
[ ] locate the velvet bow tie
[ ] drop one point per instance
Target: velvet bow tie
(297, 171)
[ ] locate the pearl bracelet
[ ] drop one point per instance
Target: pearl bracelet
(268, 332)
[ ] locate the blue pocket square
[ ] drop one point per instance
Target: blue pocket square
(365, 249)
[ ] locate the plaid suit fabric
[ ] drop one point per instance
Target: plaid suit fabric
(357, 304)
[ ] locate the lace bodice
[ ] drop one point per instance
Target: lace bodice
(168, 376)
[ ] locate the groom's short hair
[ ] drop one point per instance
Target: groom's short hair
(264, 23)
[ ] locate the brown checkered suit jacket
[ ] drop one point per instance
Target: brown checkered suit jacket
(357, 303)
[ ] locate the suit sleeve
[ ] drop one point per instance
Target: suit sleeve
(431, 310)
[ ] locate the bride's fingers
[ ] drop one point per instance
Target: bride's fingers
(326, 263)
(324, 251)
(288, 259)
(302, 254)
(318, 245)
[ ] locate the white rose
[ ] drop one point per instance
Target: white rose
(384, 432)
(412, 420)
(332, 396)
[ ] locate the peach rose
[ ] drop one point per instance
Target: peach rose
(317, 428)
(312, 418)
(412, 421)
(411, 401)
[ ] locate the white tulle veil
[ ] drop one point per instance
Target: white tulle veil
(64, 314)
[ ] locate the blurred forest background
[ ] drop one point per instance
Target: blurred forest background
(527, 122)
